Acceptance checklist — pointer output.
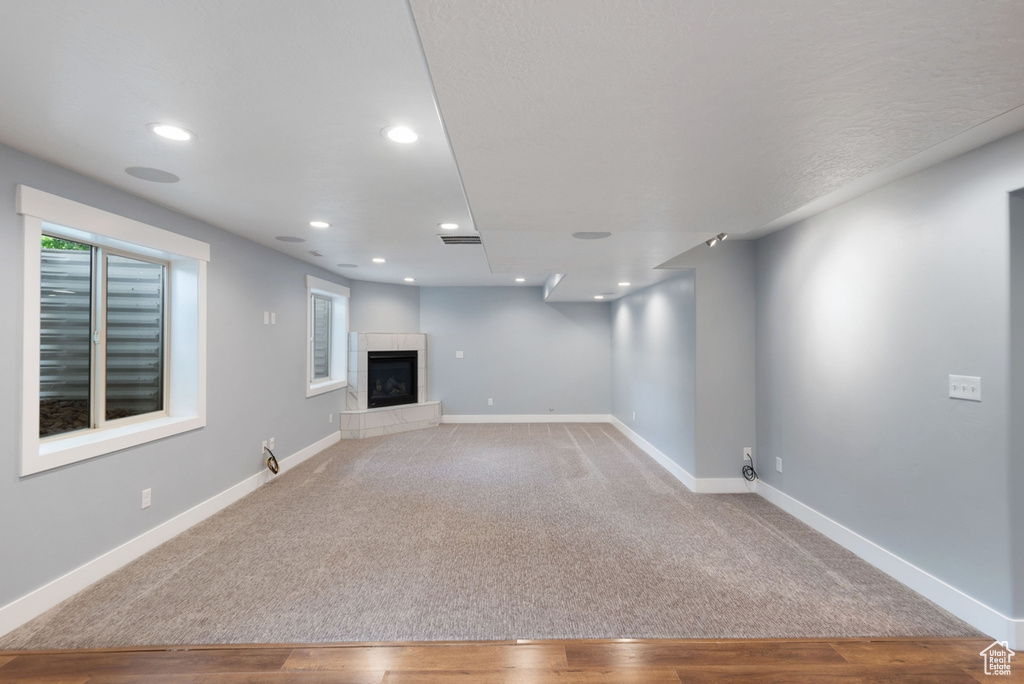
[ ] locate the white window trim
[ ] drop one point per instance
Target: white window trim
(339, 336)
(186, 409)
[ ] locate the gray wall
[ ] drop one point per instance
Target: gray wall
(530, 357)
(725, 355)
(862, 313)
(59, 519)
(1016, 480)
(381, 307)
(653, 366)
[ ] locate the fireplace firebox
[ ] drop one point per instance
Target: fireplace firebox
(391, 378)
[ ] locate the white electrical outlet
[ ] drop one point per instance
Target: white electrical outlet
(748, 454)
(458, 355)
(490, 402)
(270, 443)
(965, 387)
(147, 498)
(778, 464)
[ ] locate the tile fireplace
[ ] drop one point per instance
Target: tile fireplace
(387, 385)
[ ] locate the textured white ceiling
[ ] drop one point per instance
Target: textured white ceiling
(660, 121)
(665, 122)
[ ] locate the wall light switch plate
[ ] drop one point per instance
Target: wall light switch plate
(266, 318)
(965, 387)
(458, 355)
(147, 498)
(778, 464)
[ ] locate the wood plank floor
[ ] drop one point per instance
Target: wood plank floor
(766, 661)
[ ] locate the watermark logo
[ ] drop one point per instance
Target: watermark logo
(997, 658)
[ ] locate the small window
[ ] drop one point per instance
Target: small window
(101, 337)
(321, 339)
(114, 350)
(327, 350)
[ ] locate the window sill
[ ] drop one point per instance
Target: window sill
(88, 444)
(324, 387)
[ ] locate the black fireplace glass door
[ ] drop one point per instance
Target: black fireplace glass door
(391, 378)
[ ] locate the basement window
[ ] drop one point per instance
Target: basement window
(114, 325)
(327, 347)
(102, 350)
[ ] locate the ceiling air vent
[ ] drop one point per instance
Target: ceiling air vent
(460, 239)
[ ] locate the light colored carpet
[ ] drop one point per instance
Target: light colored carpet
(488, 532)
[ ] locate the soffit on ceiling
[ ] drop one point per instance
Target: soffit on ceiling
(666, 122)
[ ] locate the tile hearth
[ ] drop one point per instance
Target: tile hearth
(389, 420)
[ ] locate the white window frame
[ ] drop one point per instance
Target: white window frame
(185, 375)
(339, 295)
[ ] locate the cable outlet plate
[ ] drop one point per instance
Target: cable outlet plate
(748, 454)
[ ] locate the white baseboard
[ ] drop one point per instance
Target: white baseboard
(724, 485)
(700, 485)
(968, 609)
(21, 610)
(688, 480)
(544, 418)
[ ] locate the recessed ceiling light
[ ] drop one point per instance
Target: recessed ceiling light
(598, 296)
(448, 226)
(289, 238)
(171, 132)
(520, 280)
(400, 134)
(378, 260)
(320, 224)
(623, 284)
(591, 235)
(153, 175)
(410, 280)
